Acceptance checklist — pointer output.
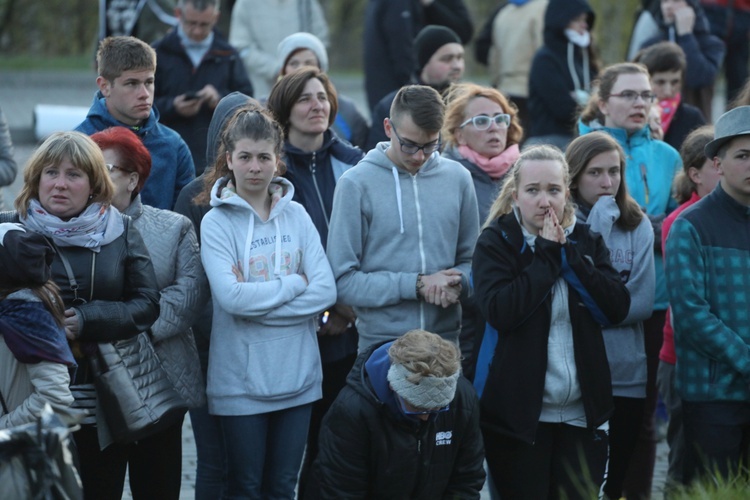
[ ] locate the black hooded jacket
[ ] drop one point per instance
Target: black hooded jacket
(369, 451)
(552, 108)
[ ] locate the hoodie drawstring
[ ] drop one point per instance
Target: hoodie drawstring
(398, 198)
(248, 246)
(277, 268)
(572, 68)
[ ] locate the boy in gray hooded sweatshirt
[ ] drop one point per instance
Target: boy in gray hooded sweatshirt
(403, 228)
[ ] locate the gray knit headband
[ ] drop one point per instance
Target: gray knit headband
(429, 393)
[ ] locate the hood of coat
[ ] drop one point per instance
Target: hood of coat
(223, 112)
(558, 16)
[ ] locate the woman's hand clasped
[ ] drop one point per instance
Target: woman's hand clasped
(552, 229)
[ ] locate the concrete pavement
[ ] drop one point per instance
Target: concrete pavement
(20, 92)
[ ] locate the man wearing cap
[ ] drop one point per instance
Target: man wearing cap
(708, 276)
(440, 62)
(405, 426)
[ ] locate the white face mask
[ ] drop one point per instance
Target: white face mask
(582, 40)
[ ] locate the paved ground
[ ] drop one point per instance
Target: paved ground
(21, 92)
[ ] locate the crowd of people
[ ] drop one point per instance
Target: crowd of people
(512, 274)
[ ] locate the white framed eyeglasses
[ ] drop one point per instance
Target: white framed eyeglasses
(483, 122)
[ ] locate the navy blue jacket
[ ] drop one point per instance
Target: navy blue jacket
(175, 75)
(370, 450)
(314, 176)
(171, 163)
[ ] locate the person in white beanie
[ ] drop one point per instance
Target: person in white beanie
(305, 49)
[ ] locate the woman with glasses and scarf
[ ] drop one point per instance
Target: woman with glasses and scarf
(481, 133)
(105, 276)
(620, 107)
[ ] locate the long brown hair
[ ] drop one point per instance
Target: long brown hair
(581, 151)
(503, 204)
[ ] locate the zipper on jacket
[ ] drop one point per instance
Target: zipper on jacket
(415, 187)
(93, 272)
(313, 166)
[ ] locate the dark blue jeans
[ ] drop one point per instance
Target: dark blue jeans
(264, 452)
(717, 436)
(210, 472)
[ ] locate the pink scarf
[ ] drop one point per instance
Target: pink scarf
(494, 167)
(668, 109)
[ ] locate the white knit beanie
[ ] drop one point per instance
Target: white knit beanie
(297, 41)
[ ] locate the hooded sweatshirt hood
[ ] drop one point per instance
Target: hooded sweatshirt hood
(558, 16)
(223, 112)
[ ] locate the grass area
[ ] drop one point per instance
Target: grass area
(73, 63)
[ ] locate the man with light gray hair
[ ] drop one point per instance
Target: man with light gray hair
(405, 426)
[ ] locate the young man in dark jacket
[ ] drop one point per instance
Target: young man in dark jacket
(197, 67)
(405, 426)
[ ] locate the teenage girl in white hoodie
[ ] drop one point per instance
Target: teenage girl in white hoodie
(269, 279)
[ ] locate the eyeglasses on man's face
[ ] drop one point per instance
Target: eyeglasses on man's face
(411, 149)
(483, 122)
(632, 95)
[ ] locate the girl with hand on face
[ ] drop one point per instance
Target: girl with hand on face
(597, 166)
(545, 283)
(269, 279)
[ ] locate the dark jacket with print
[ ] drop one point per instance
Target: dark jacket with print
(368, 449)
(512, 285)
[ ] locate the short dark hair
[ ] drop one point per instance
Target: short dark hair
(661, 57)
(118, 54)
(423, 104)
(287, 90)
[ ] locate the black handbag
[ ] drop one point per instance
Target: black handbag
(132, 388)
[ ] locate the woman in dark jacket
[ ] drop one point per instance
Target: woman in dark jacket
(561, 72)
(66, 197)
(304, 102)
(546, 286)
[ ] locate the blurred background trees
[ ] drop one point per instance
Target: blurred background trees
(53, 28)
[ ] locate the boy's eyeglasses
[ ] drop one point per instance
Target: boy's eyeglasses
(483, 122)
(411, 149)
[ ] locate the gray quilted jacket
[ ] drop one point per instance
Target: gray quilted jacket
(171, 241)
